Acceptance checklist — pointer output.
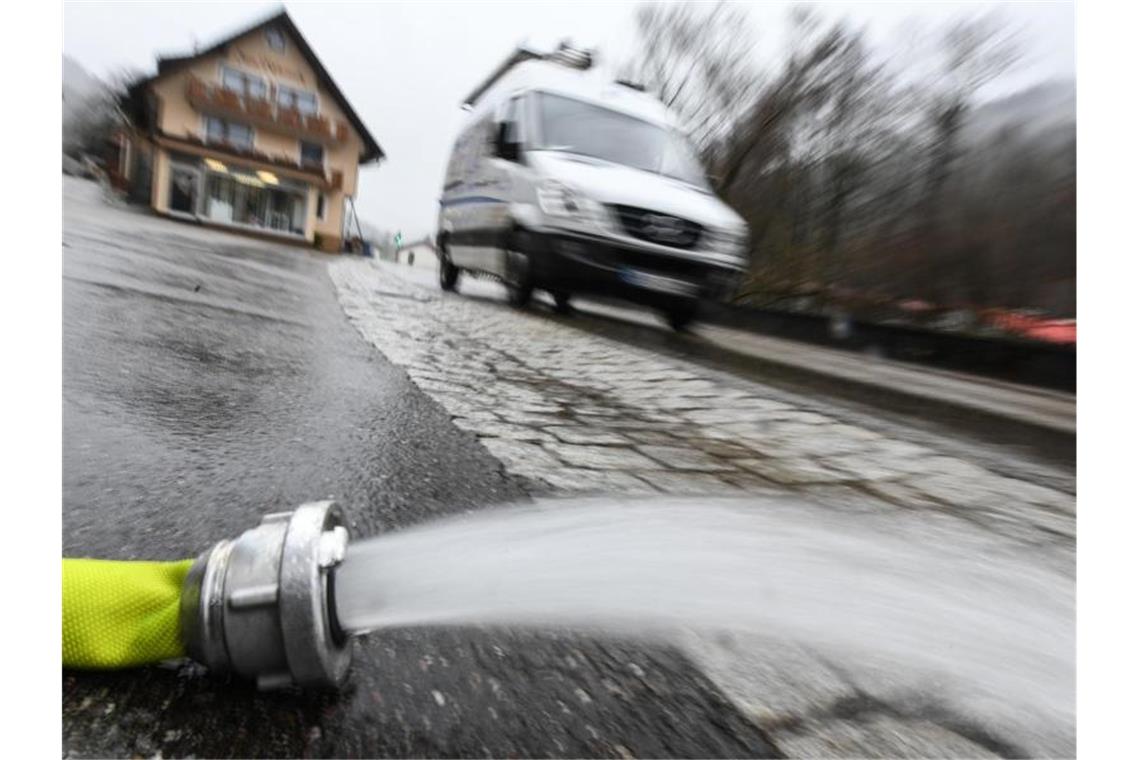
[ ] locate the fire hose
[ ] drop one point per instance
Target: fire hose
(262, 605)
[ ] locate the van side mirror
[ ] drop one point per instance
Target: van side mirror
(505, 147)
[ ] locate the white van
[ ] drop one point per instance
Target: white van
(566, 182)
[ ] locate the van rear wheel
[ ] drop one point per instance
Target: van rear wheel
(448, 272)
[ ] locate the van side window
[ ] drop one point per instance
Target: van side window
(513, 119)
(487, 130)
(482, 141)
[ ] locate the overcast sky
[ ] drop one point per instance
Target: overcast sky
(405, 67)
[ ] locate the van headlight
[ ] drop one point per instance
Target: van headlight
(726, 242)
(562, 202)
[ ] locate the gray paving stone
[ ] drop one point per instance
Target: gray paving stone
(953, 467)
(509, 431)
(880, 736)
(864, 467)
(817, 445)
(588, 435)
(578, 480)
(805, 418)
(1033, 493)
(520, 456)
(901, 494)
(691, 483)
(601, 457)
(773, 682)
(854, 432)
(656, 437)
(435, 386)
(846, 498)
(587, 410)
(680, 403)
(721, 449)
(953, 491)
(716, 416)
(684, 458)
(754, 484)
(511, 414)
(793, 471)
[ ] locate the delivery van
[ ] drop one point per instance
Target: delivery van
(564, 181)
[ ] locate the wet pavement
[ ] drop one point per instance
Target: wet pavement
(578, 405)
(209, 379)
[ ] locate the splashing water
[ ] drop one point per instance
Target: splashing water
(925, 594)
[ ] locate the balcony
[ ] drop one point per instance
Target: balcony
(266, 114)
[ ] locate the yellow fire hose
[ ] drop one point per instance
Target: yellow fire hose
(121, 614)
(261, 605)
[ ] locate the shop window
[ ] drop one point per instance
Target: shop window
(238, 198)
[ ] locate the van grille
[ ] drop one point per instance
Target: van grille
(655, 227)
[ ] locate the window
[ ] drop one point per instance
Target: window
(305, 102)
(244, 84)
(229, 133)
(513, 121)
(574, 126)
(312, 154)
(321, 206)
(238, 198)
(275, 38)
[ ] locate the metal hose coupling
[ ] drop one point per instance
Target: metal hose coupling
(263, 605)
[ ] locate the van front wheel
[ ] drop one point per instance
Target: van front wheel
(519, 279)
(681, 314)
(561, 301)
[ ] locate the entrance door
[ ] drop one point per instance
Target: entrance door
(183, 190)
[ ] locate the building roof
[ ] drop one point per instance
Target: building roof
(281, 20)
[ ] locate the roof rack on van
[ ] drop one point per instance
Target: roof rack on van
(565, 54)
(570, 56)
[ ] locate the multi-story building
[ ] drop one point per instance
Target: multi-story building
(251, 134)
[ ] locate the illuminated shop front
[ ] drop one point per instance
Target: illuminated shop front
(222, 193)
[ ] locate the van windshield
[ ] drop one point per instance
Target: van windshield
(585, 129)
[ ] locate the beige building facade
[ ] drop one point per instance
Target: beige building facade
(251, 134)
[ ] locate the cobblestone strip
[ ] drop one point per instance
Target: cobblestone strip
(573, 412)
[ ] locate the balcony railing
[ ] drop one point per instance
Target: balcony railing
(264, 113)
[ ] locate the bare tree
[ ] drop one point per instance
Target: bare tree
(699, 61)
(864, 179)
(89, 122)
(972, 53)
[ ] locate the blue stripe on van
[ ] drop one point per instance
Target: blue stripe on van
(471, 199)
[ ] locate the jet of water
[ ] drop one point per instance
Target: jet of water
(927, 594)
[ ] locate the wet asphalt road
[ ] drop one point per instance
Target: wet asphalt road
(208, 380)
